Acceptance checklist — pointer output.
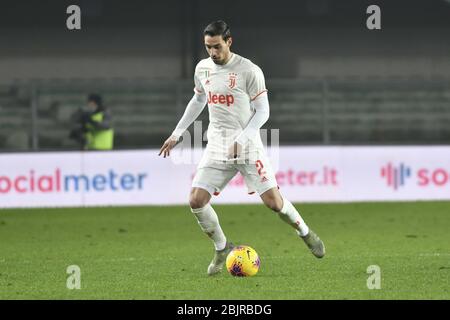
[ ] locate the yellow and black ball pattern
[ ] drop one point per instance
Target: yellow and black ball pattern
(243, 261)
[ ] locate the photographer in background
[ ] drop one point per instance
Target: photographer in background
(95, 129)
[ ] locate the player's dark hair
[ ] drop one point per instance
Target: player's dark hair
(218, 28)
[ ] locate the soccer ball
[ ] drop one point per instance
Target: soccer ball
(243, 261)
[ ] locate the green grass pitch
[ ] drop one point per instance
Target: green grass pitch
(160, 252)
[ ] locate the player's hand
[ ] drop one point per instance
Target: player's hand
(234, 151)
(168, 145)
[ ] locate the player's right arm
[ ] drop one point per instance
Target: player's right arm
(193, 110)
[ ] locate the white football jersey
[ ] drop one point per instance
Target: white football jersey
(229, 89)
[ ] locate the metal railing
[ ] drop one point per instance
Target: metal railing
(37, 115)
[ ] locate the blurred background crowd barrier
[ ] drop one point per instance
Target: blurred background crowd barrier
(38, 116)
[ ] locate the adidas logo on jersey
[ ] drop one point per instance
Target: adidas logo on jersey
(220, 99)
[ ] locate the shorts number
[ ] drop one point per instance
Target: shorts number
(259, 167)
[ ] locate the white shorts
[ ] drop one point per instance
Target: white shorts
(213, 176)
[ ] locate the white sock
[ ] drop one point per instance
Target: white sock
(291, 216)
(209, 223)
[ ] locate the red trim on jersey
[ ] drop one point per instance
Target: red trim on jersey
(258, 95)
(216, 193)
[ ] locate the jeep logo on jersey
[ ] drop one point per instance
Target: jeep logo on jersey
(220, 99)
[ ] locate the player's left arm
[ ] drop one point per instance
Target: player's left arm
(257, 91)
(261, 115)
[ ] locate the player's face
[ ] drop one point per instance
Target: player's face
(218, 49)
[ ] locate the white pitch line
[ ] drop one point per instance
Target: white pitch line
(436, 254)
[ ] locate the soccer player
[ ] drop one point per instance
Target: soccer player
(234, 89)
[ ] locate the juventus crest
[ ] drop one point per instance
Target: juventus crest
(232, 80)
